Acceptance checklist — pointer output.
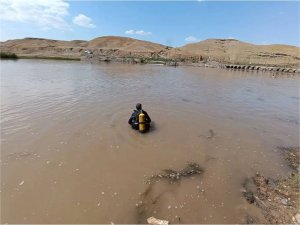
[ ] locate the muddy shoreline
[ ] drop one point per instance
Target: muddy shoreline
(189, 62)
(233, 67)
(276, 200)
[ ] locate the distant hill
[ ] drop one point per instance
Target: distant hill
(47, 47)
(124, 43)
(113, 47)
(237, 52)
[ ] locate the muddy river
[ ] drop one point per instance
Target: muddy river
(69, 156)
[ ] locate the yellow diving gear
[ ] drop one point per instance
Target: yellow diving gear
(142, 125)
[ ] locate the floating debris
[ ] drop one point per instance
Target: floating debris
(211, 134)
(21, 183)
(172, 175)
(292, 156)
(151, 200)
(284, 201)
(296, 218)
(273, 196)
(153, 221)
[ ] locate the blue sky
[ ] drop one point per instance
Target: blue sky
(170, 23)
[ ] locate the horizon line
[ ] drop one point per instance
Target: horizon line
(229, 38)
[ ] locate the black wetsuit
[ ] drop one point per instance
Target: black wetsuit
(134, 119)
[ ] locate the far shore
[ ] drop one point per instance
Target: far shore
(217, 53)
(49, 57)
(161, 61)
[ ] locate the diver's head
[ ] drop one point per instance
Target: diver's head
(139, 106)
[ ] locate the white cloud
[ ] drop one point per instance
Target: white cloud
(139, 32)
(144, 33)
(83, 21)
(46, 14)
(129, 32)
(191, 39)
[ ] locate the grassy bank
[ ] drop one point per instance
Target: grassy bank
(49, 57)
(8, 55)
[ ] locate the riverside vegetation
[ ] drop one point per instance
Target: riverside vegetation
(8, 55)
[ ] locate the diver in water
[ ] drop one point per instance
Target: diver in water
(140, 120)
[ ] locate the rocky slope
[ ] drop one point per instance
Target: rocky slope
(110, 48)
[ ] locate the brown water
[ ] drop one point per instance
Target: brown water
(69, 156)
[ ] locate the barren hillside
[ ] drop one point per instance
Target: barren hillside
(237, 52)
(220, 50)
(53, 48)
(124, 43)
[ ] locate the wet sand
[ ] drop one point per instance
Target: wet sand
(69, 156)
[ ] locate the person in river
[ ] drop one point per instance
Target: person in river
(134, 118)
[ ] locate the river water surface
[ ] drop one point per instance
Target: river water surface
(69, 156)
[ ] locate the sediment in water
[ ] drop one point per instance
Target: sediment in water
(277, 199)
(158, 185)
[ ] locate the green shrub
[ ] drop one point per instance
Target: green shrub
(8, 55)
